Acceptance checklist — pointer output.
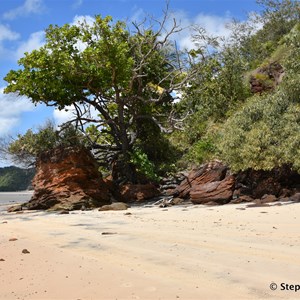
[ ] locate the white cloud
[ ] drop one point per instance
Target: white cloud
(35, 41)
(29, 7)
(214, 25)
(7, 34)
(12, 107)
(62, 116)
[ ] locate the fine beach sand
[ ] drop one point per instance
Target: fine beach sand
(191, 252)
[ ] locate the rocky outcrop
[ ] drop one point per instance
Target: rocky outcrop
(168, 184)
(210, 172)
(219, 192)
(281, 182)
(68, 179)
(137, 192)
(211, 184)
(266, 78)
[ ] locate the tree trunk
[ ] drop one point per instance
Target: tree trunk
(128, 171)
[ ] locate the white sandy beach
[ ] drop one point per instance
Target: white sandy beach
(192, 252)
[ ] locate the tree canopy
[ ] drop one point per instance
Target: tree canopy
(119, 81)
(122, 83)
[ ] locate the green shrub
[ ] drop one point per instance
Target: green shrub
(201, 151)
(143, 165)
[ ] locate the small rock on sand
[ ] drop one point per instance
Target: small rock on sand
(25, 251)
(114, 206)
(12, 239)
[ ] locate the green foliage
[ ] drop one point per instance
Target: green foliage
(264, 80)
(15, 179)
(264, 133)
(259, 132)
(143, 164)
(214, 93)
(127, 78)
(25, 148)
(59, 73)
(201, 151)
(255, 44)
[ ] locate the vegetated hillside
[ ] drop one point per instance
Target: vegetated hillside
(15, 179)
(239, 95)
(244, 106)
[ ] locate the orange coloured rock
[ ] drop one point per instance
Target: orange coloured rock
(210, 172)
(68, 179)
(219, 192)
(137, 192)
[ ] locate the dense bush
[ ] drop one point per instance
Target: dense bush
(265, 132)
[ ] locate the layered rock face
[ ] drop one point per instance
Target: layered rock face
(68, 179)
(212, 184)
(208, 184)
(219, 192)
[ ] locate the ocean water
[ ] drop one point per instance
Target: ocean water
(10, 198)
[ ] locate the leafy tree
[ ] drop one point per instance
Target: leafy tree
(264, 133)
(116, 80)
(216, 89)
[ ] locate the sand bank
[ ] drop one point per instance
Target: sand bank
(193, 252)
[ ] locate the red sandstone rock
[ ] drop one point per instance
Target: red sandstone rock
(68, 179)
(278, 182)
(138, 192)
(217, 191)
(208, 173)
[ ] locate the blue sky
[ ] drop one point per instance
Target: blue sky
(22, 25)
